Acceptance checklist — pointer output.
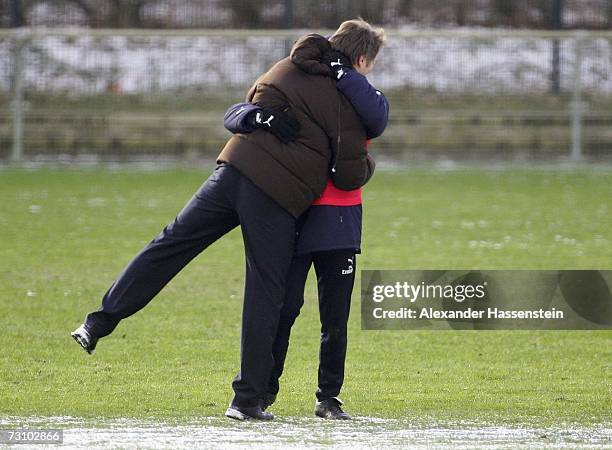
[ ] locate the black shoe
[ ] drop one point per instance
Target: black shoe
(267, 401)
(330, 408)
(85, 339)
(247, 412)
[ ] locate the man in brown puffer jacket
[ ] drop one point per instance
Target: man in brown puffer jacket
(263, 185)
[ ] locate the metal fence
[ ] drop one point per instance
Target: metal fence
(136, 93)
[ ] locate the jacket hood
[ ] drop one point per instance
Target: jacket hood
(307, 51)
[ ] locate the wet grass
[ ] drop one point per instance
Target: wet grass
(301, 432)
(67, 234)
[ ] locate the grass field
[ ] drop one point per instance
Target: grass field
(66, 234)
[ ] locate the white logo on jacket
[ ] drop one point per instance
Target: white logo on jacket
(267, 122)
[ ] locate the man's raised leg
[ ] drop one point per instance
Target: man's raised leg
(206, 217)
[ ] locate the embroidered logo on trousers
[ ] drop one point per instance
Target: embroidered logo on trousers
(349, 270)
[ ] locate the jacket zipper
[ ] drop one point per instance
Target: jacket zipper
(333, 169)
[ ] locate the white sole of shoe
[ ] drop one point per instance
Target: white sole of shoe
(233, 413)
(77, 337)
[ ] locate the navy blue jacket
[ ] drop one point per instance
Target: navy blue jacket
(236, 116)
(370, 104)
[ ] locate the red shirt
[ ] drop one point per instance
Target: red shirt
(333, 196)
(337, 197)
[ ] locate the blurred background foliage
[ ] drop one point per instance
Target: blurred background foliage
(541, 14)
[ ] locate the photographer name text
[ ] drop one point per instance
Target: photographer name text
(469, 313)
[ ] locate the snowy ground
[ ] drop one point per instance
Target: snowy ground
(290, 433)
(520, 65)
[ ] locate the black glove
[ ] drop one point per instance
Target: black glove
(278, 122)
(338, 62)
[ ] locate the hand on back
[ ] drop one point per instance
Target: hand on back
(338, 63)
(278, 122)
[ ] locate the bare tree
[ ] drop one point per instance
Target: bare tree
(127, 13)
(371, 10)
(505, 12)
(405, 8)
(112, 13)
(544, 8)
(247, 13)
(460, 10)
(88, 10)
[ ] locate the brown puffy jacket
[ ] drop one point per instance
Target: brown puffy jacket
(331, 134)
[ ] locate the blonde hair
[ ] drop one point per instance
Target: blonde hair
(357, 37)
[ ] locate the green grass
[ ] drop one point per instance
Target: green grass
(67, 234)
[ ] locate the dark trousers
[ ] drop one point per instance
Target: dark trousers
(227, 199)
(335, 271)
